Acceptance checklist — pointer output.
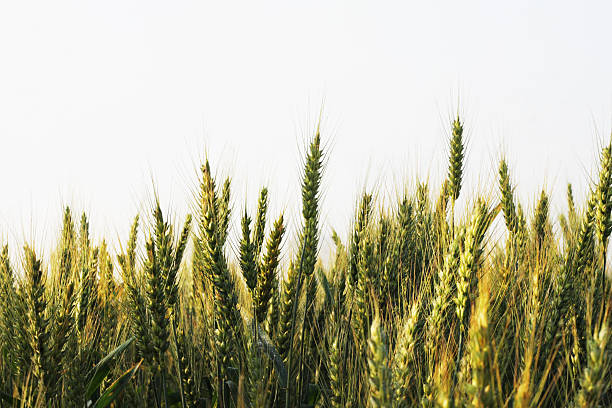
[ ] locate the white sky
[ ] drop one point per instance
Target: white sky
(99, 98)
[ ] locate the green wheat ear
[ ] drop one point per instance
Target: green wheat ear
(307, 255)
(247, 259)
(571, 206)
(378, 367)
(9, 324)
(467, 276)
(586, 244)
(224, 211)
(309, 237)
(67, 249)
(38, 330)
(603, 194)
(540, 221)
(214, 269)
(404, 359)
(363, 217)
(595, 379)
(260, 222)
(267, 281)
(335, 374)
(469, 262)
(457, 152)
(507, 198)
(481, 387)
(363, 289)
(185, 372)
(288, 299)
(440, 302)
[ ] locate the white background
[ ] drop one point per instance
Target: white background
(101, 102)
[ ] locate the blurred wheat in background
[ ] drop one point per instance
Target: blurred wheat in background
(423, 306)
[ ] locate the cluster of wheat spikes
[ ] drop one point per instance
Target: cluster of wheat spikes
(419, 308)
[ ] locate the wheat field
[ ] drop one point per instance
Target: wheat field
(421, 306)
